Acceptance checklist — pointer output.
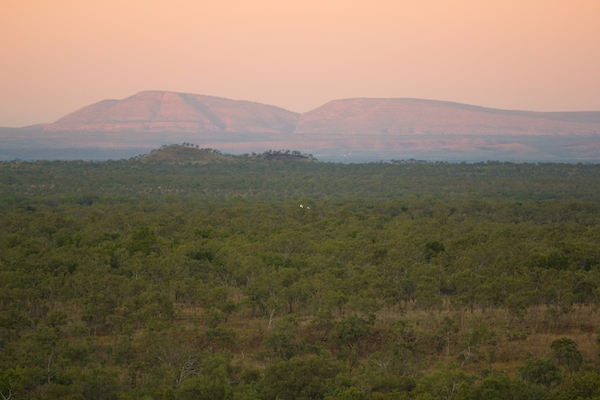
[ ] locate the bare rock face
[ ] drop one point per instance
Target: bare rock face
(416, 117)
(158, 111)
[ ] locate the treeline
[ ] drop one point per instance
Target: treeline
(253, 177)
(241, 280)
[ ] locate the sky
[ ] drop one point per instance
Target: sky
(58, 56)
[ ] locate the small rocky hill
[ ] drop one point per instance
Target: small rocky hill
(187, 153)
(182, 153)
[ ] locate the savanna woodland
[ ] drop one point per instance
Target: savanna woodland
(190, 274)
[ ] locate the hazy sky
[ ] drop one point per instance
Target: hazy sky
(60, 55)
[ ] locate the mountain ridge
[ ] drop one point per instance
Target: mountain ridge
(160, 110)
(164, 111)
(419, 116)
(355, 129)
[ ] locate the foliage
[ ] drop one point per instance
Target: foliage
(565, 351)
(193, 274)
(540, 372)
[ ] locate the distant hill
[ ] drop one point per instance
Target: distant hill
(157, 111)
(188, 153)
(416, 117)
(179, 153)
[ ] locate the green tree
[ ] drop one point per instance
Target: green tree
(446, 334)
(540, 372)
(472, 341)
(565, 351)
(11, 383)
(467, 283)
(98, 384)
(353, 330)
(447, 383)
(500, 387)
(142, 240)
(212, 383)
(428, 293)
(297, 378)
(584, 385)
(96, 308)
(281, 341)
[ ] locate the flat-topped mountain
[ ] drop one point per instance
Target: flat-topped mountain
(414, 117)
(158, 111)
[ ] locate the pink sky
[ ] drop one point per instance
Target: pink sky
(60, 55)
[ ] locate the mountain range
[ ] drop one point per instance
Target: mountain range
(359, 129)
(158, 111)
